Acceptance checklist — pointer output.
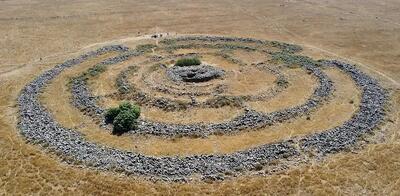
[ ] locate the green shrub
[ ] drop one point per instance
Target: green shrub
(285, 47)
(124, 117)
(124, 121)
(291, 59)
(111, 114)
(126, 106)
(187, 62)
(96, 70)
(146, 47)
(168, 41)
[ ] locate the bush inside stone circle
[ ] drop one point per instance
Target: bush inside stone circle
(187, 62)
(124, 117)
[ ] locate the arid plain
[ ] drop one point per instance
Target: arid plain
(37, 35)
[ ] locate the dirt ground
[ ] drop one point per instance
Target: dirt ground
(36, 35)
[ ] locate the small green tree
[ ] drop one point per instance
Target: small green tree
(124, 121)
(111, 114)
(128, 106)
(124, 117)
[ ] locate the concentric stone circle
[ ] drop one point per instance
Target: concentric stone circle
(249, 119)
(170, 105)
(38, 126)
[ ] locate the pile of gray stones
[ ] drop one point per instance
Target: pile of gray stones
(168, 86)
(195, 73)
(38, 126)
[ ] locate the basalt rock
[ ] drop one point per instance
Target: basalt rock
(38, 126)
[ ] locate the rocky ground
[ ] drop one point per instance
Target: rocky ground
(37, 125)
(37, 35)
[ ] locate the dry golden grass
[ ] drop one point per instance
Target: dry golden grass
(363, 32)
(250, 57)
(329, 115)
(242, 81)
(239, 81)
(197, 115)
(57, 100)
(301, 87)
(104, 83)
(334, 113)
(371, 171)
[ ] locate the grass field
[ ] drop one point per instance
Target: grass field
(36, 35)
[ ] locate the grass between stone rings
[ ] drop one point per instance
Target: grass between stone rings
(187, 62)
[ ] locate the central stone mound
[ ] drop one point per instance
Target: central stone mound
(194, 73)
